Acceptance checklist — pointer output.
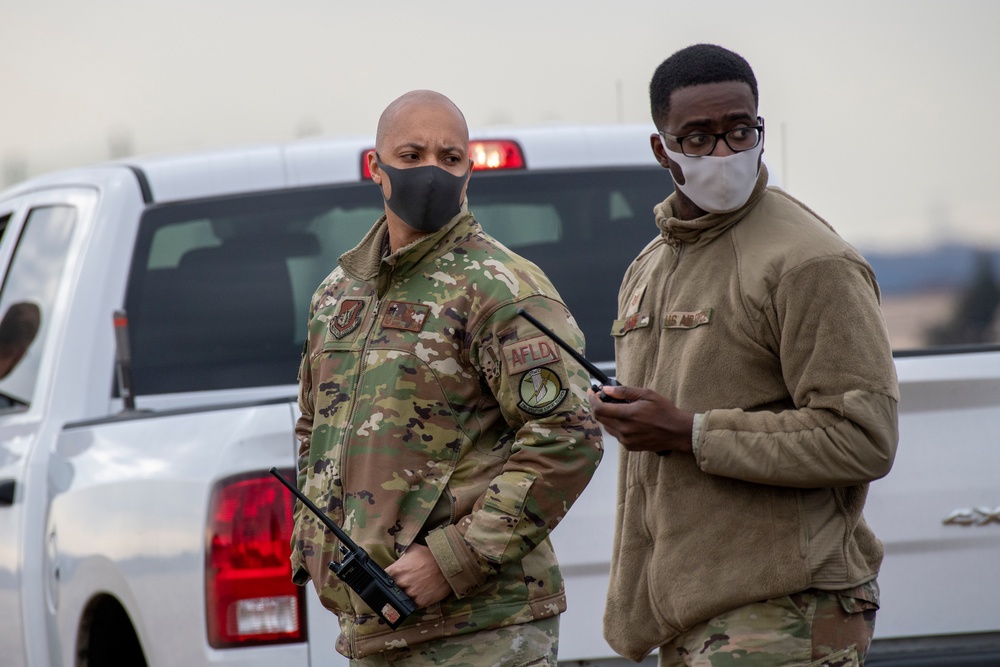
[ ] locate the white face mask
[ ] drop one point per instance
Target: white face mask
(718, 184)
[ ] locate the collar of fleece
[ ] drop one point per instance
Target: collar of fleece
(701, 231)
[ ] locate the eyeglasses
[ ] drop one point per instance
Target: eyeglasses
(703, 143)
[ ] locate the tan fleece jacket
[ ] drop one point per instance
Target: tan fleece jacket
(768, 322)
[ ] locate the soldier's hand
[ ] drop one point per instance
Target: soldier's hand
(648, 422)
(418, 574)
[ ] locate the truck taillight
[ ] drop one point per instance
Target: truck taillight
(249, 596)
(496, 154)
(486, 155)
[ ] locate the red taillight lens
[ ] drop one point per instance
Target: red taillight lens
(249, 596)
(496, 154)
(490, 154)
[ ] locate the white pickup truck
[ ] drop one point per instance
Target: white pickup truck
(138, 524)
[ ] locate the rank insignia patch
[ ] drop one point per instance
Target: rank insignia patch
(541, 391)
(348, 318)
(405, 315)
(635, 300)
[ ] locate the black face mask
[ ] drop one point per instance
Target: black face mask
(425, 198)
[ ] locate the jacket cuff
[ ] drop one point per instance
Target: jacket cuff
(696, 429)
(456, 559)
(300, 573)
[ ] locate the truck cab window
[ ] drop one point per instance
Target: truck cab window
(575, 224)
(27, 297)
(219, 290)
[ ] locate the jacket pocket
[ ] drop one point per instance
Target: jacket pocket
(633, 623)
(495, 523)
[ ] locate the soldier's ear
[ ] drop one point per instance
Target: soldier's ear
(373, 167)
(658, 152)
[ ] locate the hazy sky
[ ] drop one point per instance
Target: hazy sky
(876, 111)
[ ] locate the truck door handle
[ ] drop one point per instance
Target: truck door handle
(6, 492)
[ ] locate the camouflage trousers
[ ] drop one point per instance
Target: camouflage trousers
(531, 644)
(809, 629)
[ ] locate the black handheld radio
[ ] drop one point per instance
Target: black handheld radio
(359, 571)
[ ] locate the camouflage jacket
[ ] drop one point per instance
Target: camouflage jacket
(431, 412)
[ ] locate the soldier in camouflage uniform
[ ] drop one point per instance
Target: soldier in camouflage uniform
(446, 434)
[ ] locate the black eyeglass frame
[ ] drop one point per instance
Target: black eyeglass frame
(715, 138)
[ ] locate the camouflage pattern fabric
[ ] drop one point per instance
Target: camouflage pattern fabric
(532, 644)
(813, 629)
(431, 412)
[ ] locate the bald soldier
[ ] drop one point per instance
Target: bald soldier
(444, 433)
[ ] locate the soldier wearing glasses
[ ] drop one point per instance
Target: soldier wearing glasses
(761, 401)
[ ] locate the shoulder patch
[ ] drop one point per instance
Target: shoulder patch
(523, 355)
(540, 391)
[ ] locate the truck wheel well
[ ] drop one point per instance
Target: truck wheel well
(106, 637)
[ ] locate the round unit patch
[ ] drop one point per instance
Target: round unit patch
(541, 391)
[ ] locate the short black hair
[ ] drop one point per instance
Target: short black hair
(692, 66)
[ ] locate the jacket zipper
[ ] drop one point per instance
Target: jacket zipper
(376, 304)
(351, 639)
(354, 404)
(678, 252)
